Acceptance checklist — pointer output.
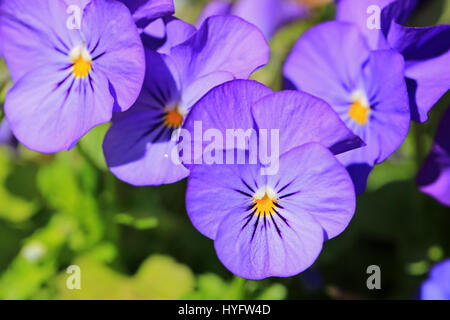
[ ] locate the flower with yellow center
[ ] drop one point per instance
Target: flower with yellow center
(82, 62)
(359, 110)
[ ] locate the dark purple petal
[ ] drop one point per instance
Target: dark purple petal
(139, 147)
(144, 11)
(434, 177)
(427, 55)
(163, 34)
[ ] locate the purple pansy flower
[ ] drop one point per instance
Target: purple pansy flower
(426, 50)
(275, 224)
(69, 75)
(434, 177)
(267, 15)
(366, 88)
(437, 286)
(138, 146)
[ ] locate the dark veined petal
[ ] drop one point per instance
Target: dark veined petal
(215, 190)
(115, 45)
(35, 34)
(314, 199)
(138, 146)
(49, 109)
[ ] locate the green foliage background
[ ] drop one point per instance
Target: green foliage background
(137, 243)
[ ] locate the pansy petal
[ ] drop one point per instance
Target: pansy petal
(313, 66)
(234, 100)
(116, 49)
(269, 15)
(437, 286)
(427, 54)
(37, 34)
(390, 116)
(289, 111)
(223, 43)
(311, 180)
(49, 114)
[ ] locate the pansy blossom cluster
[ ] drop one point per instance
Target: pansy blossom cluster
(270, 175)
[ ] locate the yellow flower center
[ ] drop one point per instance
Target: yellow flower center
(81, 60)
(173, 118)
(359, 110)
(264, 202)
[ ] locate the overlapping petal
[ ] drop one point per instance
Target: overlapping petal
(139, 147)
(144, 11)
(434, 177)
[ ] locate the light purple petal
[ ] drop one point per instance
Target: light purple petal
(116, 48)
(48, 114)
(269, 15)
(302, 118)
(35, 34)
(315, 67)
(223, 43)
(226, 107)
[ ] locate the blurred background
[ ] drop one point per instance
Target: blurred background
(138, 243)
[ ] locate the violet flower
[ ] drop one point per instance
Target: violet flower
(426, 50)
(274, 224)
(366, 88)
(69, 75)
